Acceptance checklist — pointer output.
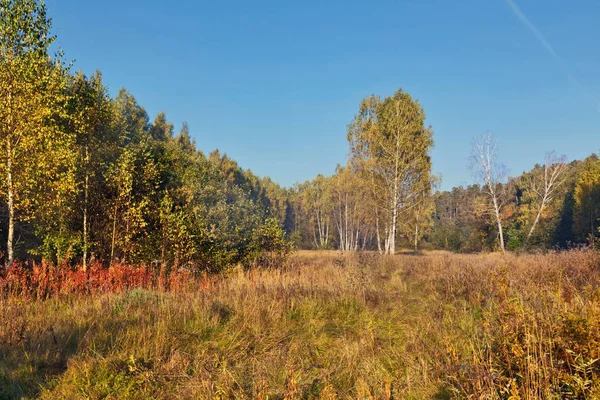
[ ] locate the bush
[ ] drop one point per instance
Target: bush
(270, 246)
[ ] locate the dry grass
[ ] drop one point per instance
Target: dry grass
(327, 326)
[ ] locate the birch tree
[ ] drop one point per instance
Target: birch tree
(316, 199)
(418, 220)
(348, 198)
(35, 146)
(545, 184)
(485, 167)
(390, 146)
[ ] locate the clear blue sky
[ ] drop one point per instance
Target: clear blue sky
(274, 84)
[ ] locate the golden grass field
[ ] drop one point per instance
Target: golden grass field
(326, 326)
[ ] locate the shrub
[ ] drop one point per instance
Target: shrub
(270, 246)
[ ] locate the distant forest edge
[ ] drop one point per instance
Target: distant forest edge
(88, 177)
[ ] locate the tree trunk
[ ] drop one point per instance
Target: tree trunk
(346, 238)
(11, 206)
(114, 232)
(417, 235)
(85, 209)
(377, 228)
(320, 230)
(392, 248)
(386, 245)
(535, 222)
(499, 221)
(339, 221)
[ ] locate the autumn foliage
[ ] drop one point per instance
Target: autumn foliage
(44, 280)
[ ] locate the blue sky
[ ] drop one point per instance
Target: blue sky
(274, 83)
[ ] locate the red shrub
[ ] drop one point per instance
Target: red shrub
(44, 280)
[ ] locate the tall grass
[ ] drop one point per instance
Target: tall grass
(326, 326)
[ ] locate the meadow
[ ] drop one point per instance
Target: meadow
(326, 325)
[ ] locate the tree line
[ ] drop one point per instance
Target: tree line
(89, 177)
(555, 205)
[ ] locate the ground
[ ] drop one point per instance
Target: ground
(327, 325)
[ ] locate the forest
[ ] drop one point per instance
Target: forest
(136, 265)
(90, 177)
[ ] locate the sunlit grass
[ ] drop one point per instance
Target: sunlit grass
(328, 325)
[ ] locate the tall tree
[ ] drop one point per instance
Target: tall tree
(162, 129)
(133, 180)
(485, 167)
(316, 200)
(32, 103)
(130, 121)
(545, 184)
(184, 140)
(90, 114)
(418, 220)
(348, 197)
(390, 146)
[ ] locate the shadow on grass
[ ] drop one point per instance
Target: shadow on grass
(35, 350)
(33, 362)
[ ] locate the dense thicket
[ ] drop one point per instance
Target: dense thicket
(87, 176)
